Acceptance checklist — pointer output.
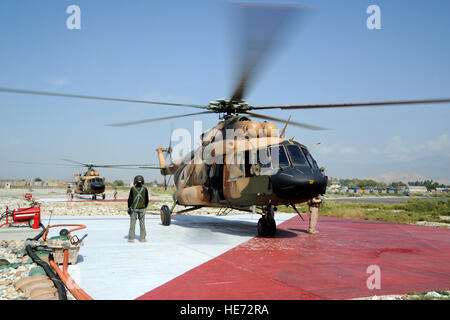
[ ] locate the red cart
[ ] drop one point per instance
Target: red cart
(31, 215)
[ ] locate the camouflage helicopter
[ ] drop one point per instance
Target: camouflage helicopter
(89, 182)
(255, 165)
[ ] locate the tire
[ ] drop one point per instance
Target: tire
(94, 197)
(262, 227)
(104, 196)
(165, 215)
(271, 228)
(266, 228)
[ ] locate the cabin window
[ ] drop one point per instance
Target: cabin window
(296, 155)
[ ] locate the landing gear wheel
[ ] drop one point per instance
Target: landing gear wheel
(104, 196)
(262, 227)
(94, 197)
(266, 228)
(272, 228)
(165, 215)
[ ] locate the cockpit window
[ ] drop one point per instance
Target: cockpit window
(296, 155)
(279, 157)
(311, 160)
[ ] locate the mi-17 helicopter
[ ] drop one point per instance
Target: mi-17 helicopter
(89, 182)
(255, 165)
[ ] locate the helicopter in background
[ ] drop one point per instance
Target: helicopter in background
(90, 183)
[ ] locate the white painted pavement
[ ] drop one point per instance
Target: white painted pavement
(110, 267)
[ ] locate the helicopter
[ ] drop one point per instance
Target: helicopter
(89, 182)
(256, 165)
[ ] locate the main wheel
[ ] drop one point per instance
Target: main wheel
(104, 196)
(94, 197)
(271, 228)
(165, 215)
(266, 228)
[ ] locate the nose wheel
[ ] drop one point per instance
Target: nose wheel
(266, 225)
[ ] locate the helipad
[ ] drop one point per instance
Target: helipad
(219, 257)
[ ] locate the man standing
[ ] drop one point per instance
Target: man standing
(314, 205)
(69, 193)
(137, 203)
(115, 194)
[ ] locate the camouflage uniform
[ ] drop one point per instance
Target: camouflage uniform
(137, 203)
(314, 205)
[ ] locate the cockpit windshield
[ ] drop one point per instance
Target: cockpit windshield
(311, 160)
(278, 157)
(296, 155)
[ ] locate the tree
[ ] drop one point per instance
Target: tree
(37, 180)
(118, 183)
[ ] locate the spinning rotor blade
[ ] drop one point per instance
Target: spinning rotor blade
(78, 96)
(41, 163)
(298, 124)
(357, 104)
(260, 27)
(131, 123)
(76, 162)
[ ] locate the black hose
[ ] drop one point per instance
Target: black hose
(53, 276)
(40, 234)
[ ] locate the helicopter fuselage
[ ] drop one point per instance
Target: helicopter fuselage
(248, 169)
(90, 183)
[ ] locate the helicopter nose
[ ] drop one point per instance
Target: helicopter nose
(97, 186)
(298, 183)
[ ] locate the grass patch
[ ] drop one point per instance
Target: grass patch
(411, 211)
(162, 191)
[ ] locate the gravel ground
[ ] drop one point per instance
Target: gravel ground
(8, 251)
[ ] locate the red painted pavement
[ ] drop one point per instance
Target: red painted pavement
(101, 200)
(330, 265)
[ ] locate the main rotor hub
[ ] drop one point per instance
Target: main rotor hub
(228, 106)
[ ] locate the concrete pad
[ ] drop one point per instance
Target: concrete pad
(109, 267)
(18, 233)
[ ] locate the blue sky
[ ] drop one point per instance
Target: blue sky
(180, 51)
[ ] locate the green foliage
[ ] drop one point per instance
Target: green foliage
(411, 211)
(37, 179)
(362, 183)
(397, 184)
(430, 184)
(118, 183)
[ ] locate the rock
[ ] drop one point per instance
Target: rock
(433, 294)
(26, 280)
(3, 262)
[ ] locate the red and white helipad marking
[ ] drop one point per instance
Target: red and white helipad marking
(331, 265)
(210, 257)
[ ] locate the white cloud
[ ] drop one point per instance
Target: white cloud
(348, 150)
(60, 82)
(13, 142)
(398, 150)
